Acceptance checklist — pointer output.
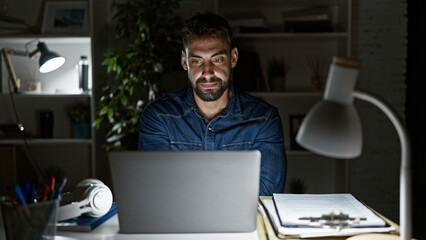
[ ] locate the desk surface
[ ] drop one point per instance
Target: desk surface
(109, 231)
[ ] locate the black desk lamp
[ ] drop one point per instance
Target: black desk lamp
(48, 61)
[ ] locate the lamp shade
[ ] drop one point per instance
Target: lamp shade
(332, 127)
(49, 61)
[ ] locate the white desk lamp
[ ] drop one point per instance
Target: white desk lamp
(49, 61)
(332, 128)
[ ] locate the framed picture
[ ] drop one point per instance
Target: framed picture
(66, 17)
(295, 122)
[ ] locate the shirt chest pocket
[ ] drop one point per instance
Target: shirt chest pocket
(185, 146)
(237, 146)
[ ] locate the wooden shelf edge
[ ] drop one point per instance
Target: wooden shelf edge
(54, 95)
(292, 35)
(292, 94)
(32, 141)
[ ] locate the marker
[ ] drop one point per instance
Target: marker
(33, 195)
(16, 205)
(45, 192)
(52, 184)
(21, 199)
(59, 191)
(26, 190)
(53, 193)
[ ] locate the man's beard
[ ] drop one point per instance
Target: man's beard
(210, 95)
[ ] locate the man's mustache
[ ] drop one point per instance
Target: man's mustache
(204, 80)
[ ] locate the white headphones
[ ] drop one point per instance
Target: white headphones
(90, 197)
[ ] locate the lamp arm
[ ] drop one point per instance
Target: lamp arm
(405, 210)
(16, 82)
(6, 55)
(33, 53)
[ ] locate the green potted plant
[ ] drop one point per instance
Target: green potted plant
(150, 34)
(79, 115)
(276, 74)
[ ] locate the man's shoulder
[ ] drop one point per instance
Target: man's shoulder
(171, 103)
(253, 105)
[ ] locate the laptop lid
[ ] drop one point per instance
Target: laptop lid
(186, 191)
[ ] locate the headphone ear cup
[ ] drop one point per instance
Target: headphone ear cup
(96, 193)
(91, 197)
(83, 188)
(100, 201)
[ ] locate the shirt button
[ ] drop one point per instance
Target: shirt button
(210, 128)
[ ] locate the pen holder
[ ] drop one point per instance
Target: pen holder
(34, 222)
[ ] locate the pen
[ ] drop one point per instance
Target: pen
(16, 205)
(26, 189)
(33, 194)
(21, 199)
(52, 184)
(59, 191)
(45, 192)
(53, 193)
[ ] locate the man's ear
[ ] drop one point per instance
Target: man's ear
(234, 57)
(183, 60)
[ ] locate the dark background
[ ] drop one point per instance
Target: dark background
(415, 109)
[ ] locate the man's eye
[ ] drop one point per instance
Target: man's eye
(218, 60)
(195, 61)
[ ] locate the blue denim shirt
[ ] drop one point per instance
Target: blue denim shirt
(175, 123)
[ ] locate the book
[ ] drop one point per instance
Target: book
(311, 19)
(247, 19)
(85, 223)
(11, 27)
(307, 14)
(305, 205)
(308, 26)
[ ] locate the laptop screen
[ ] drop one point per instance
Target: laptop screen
(186, 191)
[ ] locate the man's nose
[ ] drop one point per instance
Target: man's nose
(208, 69)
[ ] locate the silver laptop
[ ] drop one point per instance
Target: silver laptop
(186, 191)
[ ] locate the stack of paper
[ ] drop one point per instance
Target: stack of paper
(289, 215)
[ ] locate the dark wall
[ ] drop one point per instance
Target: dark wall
(416, 110)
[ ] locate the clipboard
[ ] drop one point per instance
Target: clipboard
(273, 234)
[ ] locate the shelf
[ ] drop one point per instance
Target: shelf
(271, 3)
(286, 94)
(292, 35)
(46, 141)
(298, 152)
(24, 38)
(48, 95)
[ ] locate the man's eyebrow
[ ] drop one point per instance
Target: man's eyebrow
(219, 53)
(213, 55)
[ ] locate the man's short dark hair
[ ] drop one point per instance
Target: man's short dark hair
(205, 24)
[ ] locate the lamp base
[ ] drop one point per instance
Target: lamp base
(375, 236)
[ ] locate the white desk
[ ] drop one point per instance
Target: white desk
(109, 231)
